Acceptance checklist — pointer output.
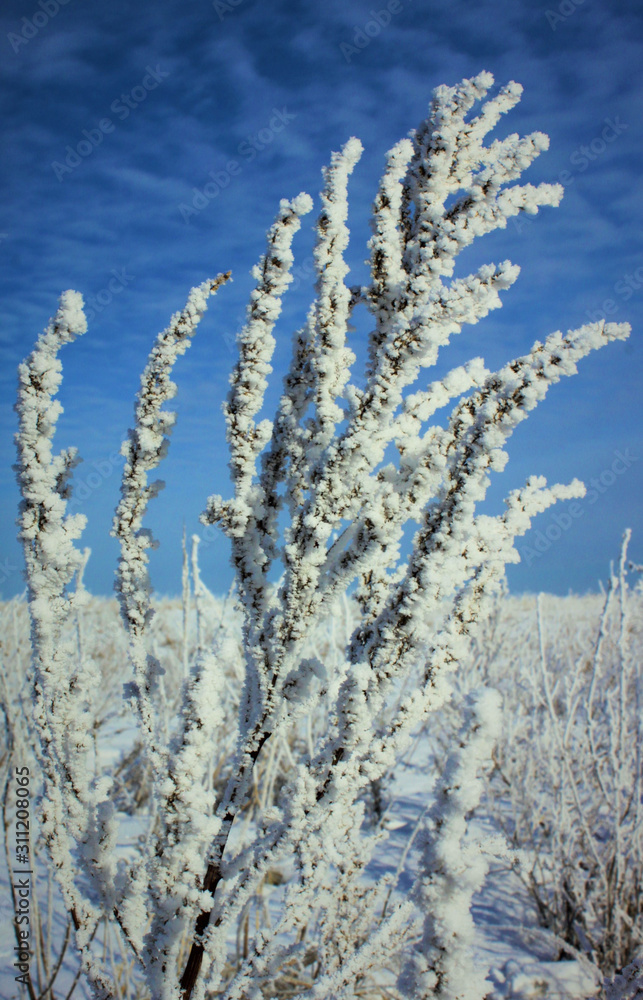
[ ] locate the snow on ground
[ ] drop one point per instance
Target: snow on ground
(521, 956)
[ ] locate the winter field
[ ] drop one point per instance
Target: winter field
(557, 828)
(379, 776)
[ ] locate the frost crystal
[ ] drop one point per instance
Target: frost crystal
(319, 467)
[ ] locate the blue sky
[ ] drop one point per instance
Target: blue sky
(167, 97)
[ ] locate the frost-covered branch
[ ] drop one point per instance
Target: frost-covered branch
(441, 189)
(47, 532)
(145, 447)
(322, 496)
(452, 869)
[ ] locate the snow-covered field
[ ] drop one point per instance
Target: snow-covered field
(564, 787)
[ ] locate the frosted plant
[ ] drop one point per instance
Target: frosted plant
(627, 985)
(452, 870)
(319, 464)
(76, 811)
(568, 786)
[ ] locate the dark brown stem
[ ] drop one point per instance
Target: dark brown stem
(213, 874)
(195, 958)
